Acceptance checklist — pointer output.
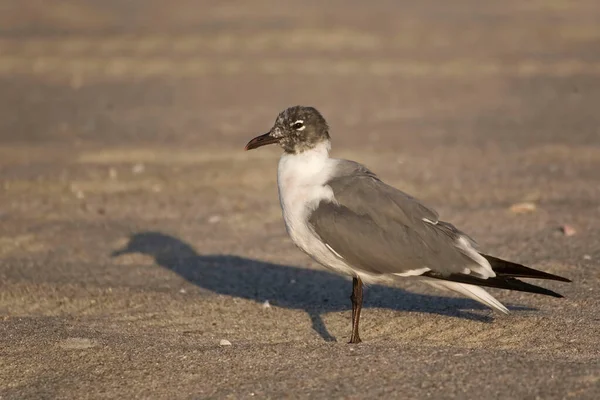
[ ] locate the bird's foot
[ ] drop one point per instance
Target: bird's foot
(354, 339)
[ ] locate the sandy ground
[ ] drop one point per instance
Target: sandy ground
(122, 126)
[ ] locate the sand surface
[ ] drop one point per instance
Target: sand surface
(122, 126)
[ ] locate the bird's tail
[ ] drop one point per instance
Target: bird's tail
(514, 270)
(506, 278)
(472, 291)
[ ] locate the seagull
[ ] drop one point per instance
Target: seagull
(348, 220)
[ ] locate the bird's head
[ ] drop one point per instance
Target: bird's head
(296, 129)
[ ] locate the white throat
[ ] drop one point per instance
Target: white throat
(301, 179)
(307, 169)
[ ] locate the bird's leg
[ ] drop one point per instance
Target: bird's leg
(357, 299)
(352, 300)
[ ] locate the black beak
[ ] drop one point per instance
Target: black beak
(261, 140)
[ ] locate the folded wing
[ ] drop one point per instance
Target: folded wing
(381, 230)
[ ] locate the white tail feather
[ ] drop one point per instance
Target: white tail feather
(472, 291)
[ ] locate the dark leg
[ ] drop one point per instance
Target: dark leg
(357, 299)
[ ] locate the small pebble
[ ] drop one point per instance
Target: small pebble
(76, 343)
(138, 168)
(587, 257)
(523, 208)
(76, 191)
(213, 219)
(568, 230)
(224, 342)
(182, 290)
(266, 304)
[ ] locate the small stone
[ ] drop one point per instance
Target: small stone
(523, 208)
(587, 257)
(213, 219)
(138, 168)
(224, 342)
(266, 304)
(568, 230)
(182, 291)
(76, 343)
(76, 191)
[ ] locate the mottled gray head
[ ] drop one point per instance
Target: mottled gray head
(296, 129)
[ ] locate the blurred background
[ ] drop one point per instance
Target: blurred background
(212, 73)
(126, 117)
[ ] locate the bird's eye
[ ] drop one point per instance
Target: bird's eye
(298, 125)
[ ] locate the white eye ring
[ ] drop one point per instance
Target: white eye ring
(298, 125)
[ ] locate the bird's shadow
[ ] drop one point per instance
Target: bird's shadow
(314, 291)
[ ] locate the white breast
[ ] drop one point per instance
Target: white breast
(301, 179)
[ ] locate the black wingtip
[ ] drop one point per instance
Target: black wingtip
(511, 269)
(498, 282)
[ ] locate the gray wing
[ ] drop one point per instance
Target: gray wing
(379, 229)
